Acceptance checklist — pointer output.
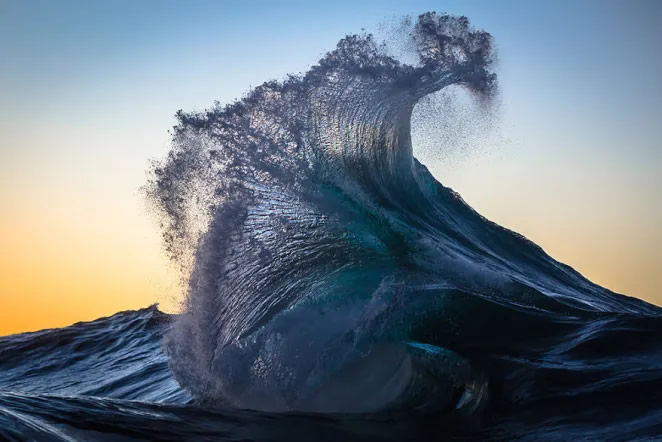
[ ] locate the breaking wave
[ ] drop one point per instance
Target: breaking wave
(327, 264)
(337, 291)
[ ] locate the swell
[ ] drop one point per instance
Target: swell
(318, 248)
(548, 376)
(116, 357)
(332, 277)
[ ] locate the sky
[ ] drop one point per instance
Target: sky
(89, 89)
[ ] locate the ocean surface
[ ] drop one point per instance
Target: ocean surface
(337, 291)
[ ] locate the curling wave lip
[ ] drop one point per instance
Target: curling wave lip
(319, 244)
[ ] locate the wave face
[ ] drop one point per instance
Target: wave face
(336, 287)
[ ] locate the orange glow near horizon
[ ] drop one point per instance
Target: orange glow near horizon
(61, 268)
(88, 91)
(68, 262)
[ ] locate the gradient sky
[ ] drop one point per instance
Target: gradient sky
(88, 90)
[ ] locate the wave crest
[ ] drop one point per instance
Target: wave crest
(316, 241)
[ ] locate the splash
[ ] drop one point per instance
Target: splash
(327, 267)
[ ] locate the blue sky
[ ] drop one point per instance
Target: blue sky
(88, 90)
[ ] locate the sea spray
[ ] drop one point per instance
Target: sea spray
(318, 246)
(329, 272)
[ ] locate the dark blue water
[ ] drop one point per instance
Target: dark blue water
(337, 291)
(562, 378)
